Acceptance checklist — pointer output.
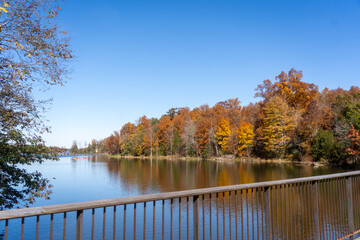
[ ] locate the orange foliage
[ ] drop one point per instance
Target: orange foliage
(202, 133)
(289, 86)
(285, 124)
(354, 148)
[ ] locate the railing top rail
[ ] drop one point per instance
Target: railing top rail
(35, 211)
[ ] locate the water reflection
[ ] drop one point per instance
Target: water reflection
(100, 177)
(149, 176)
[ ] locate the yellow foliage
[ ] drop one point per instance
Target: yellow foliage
(245, 133)
(3, 9)
(278, 124)
(223, 133)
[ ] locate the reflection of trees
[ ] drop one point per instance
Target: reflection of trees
(291, 206)
(292, 210)
(173, 175)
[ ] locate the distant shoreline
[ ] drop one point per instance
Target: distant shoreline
(80, 154)
(224, 159)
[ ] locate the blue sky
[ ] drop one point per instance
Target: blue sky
(137, 58)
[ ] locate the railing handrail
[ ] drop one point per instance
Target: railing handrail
(69, 207)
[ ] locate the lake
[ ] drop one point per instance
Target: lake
(102, 177)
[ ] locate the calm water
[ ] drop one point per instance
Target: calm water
(100, 177)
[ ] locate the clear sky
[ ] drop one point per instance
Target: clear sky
(137, 58)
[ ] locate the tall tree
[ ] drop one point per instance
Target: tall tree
(354, 149)
(290, 87)
(126, 133)
(74, 148)
(231, 110)
(325, 147)
(166, 133)
(223, 133)
(112, 144)
(188, 136)
(202, 134)
(278, 124)
(246, 135)
(33, 55)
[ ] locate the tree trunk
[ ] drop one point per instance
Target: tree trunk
(216, 149)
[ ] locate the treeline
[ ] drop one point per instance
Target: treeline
(292, 120)
(93, 147)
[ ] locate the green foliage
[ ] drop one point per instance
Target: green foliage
(207, 152)
(351, 113)
(128, 149)
(325, 146)
(74, 148)
(137, 143)
(176, 142)
(34, 53)
(17, 186)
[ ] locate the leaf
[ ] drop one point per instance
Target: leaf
(3, 9)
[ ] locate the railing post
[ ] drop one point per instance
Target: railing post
(315, 200)
(267, 213)
(79, 224)
(350, 205)
(6, 229)
(196, 217)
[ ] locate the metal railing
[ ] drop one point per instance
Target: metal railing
(320, 207)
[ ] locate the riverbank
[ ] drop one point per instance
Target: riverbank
(226, 158)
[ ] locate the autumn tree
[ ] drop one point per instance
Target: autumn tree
(351, 109)
(212, 138)
(137, 142)
(231, 110)
(290, 87)
(250, 113)
(34, 53)
(149, 135)
(298, 95)
(292, 120)
(223, 133)
(141, 141)
(246, 135)
(169, 136)
(278, 124)
(202, 135)
(112, 144)
(126, 133)
(354, 149)
(188, 136)
(166, 134)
